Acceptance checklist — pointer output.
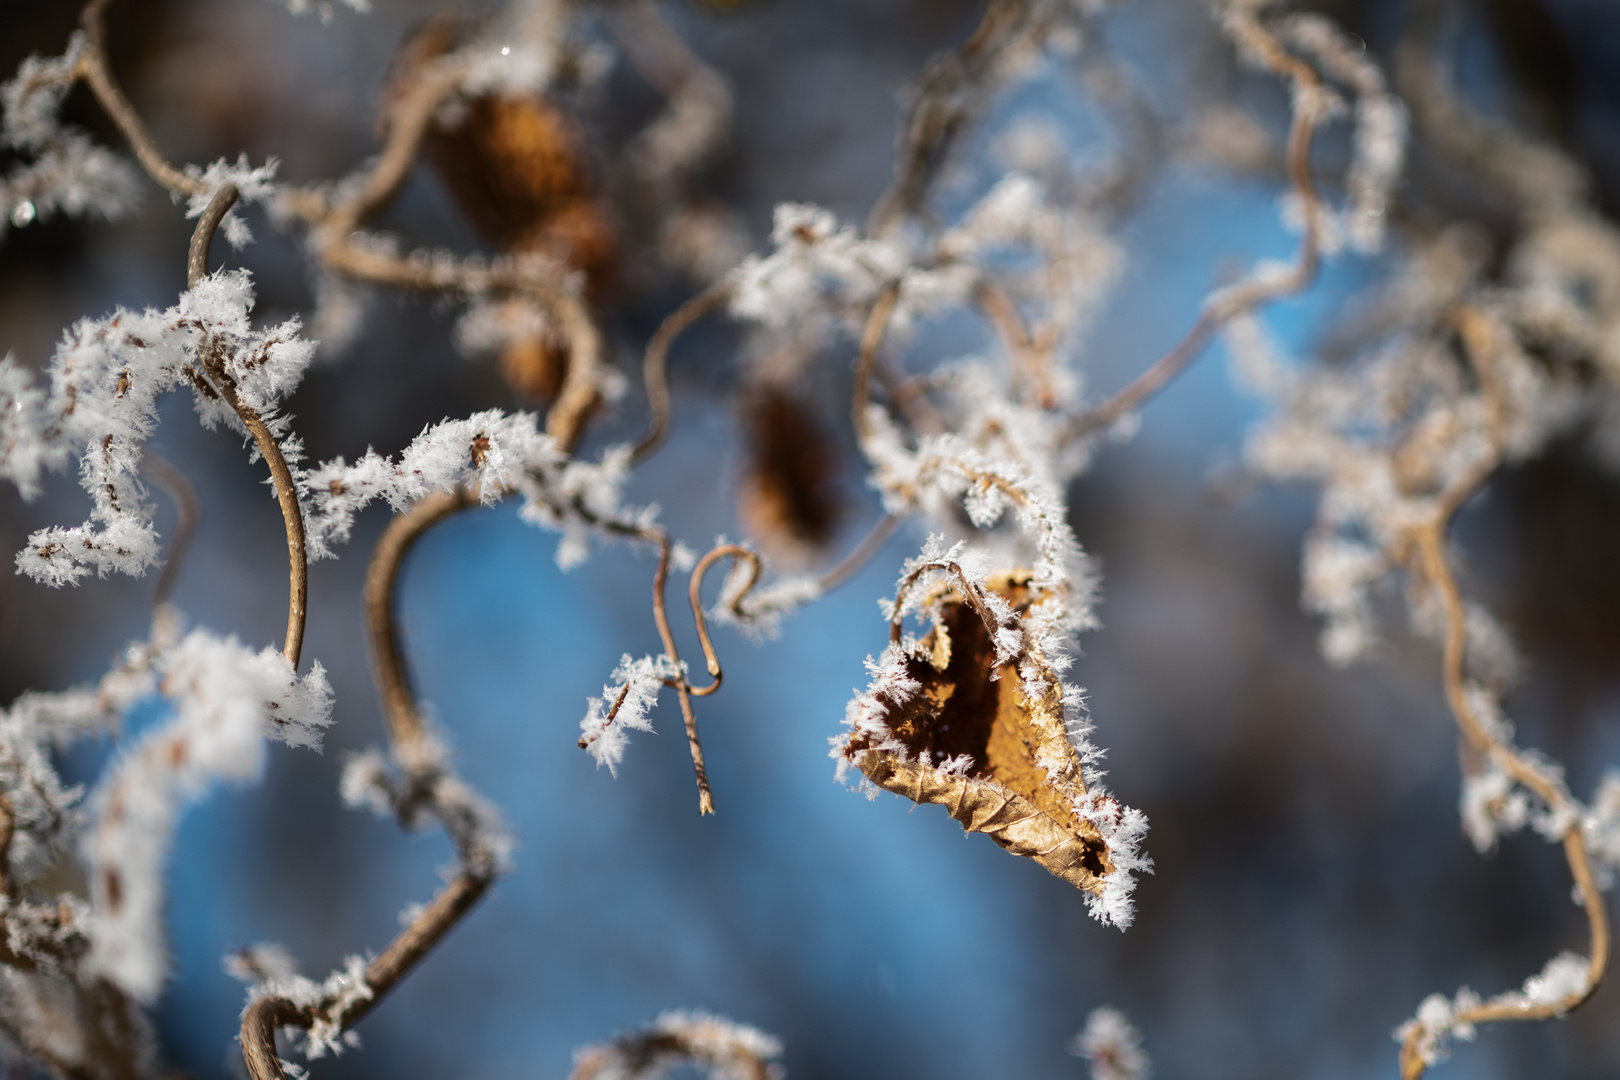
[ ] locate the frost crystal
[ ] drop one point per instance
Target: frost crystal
(419, 784)
(1601, 827)
(624, 704)
(1437, 1023)
(66, 170)
(105, 381)
(324, 8)
(1112, 1045)
(252, 186)
(725, 1049)
(494, 453)
(227, 701)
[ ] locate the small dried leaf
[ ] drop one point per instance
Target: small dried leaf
(789, 499)
(1022, 781)
(534, 367)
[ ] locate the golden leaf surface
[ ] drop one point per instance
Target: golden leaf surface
(1022, 778)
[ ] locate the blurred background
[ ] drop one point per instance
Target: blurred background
(1312, 884)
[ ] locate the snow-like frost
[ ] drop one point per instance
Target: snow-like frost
(624, 705)
(227, 701)
(105, 381)
(494, 453)
(1112, 1045)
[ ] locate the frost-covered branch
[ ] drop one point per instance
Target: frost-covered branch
(723, 1049)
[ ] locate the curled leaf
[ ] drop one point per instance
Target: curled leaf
(948, 726)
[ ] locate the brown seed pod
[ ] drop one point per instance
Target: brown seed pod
(789, 500)
(1023, 777)
(518, 169)
(534, 367)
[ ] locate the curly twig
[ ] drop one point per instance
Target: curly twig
(406, 733)
(1429, 562)
(1225, 305)
(94, 69)
(202, 237)
(654, 366)
(382, 572)
(178, 487)
(737, 553)
(683, 689)
(263, 1017)
(877, 325)
(286, 490)
(941, 108)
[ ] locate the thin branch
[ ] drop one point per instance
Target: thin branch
(8, 829)
(97, 73)
(737, 553)
(1227, 304)
(580, 393)
(429, 927)
(286, 490)
(1430, 563)
(202, 237)
(877, 325)
(1029, 365)
(683, 689)
(406, 731)
(1154, 379)
(382, 573)
(941, 109)
(407, 126)
(706, 1042)
(178, 487)
(972, 595)
(653, 368)
(870, 545)
(260, 1021)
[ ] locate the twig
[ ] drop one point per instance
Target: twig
(202, 237)
(683, 689)
(1225, 305)
(870, 544)
(941, 108)
(96, 72)
(737, 553)
(579, 396)
(406, 732)
(647, 1054)
(653, 368)
(877, 324)
(1027, 358)
(1430, 541)
(178, 487)
(1430, 563)
(334, 222)
(8, 829)
(972, 595)
(382, 573)
(213, 363)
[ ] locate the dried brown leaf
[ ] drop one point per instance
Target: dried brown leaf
(1023, 779)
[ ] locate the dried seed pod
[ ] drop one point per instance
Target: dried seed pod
(534, 367)
(998, 760)
(789, 499)
(517, 166)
